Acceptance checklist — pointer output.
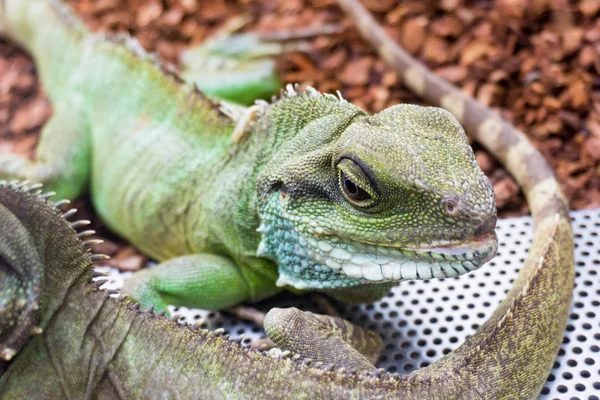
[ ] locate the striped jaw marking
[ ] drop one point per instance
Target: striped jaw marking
(374, 263)
(317, 261)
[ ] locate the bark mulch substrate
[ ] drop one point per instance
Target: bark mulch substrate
(537, 62)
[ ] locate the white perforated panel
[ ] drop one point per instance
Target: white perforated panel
(422, 320)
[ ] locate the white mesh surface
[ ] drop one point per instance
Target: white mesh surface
(420, 321)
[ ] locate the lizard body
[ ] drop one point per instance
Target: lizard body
(312, 193)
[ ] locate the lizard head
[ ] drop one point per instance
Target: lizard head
(386, 198)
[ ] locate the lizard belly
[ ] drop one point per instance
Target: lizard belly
(144, 188)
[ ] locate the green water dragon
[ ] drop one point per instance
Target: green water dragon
(308, 192)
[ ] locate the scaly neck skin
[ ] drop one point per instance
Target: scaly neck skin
(277, 131)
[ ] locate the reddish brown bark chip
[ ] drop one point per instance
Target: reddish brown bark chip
(591, 148)
(33, 115)
(506, 191)
(127, 259)
(357, 73)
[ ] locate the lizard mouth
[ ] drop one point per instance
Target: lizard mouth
(479, 249)
(376, 263)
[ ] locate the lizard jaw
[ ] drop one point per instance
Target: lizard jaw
(480, 250)
(371, 263)
(314, 259)
(325, 262)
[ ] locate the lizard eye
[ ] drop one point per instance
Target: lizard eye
(355, 184)
(352, 190)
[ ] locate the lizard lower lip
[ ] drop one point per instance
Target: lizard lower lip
(482, 246)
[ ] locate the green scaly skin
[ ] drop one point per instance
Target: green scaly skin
(237, 68)
(311, 194)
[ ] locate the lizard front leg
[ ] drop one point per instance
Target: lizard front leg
(62, 161)
(206, 281)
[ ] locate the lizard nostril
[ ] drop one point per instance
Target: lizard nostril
(487, 226)
(451, 206)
